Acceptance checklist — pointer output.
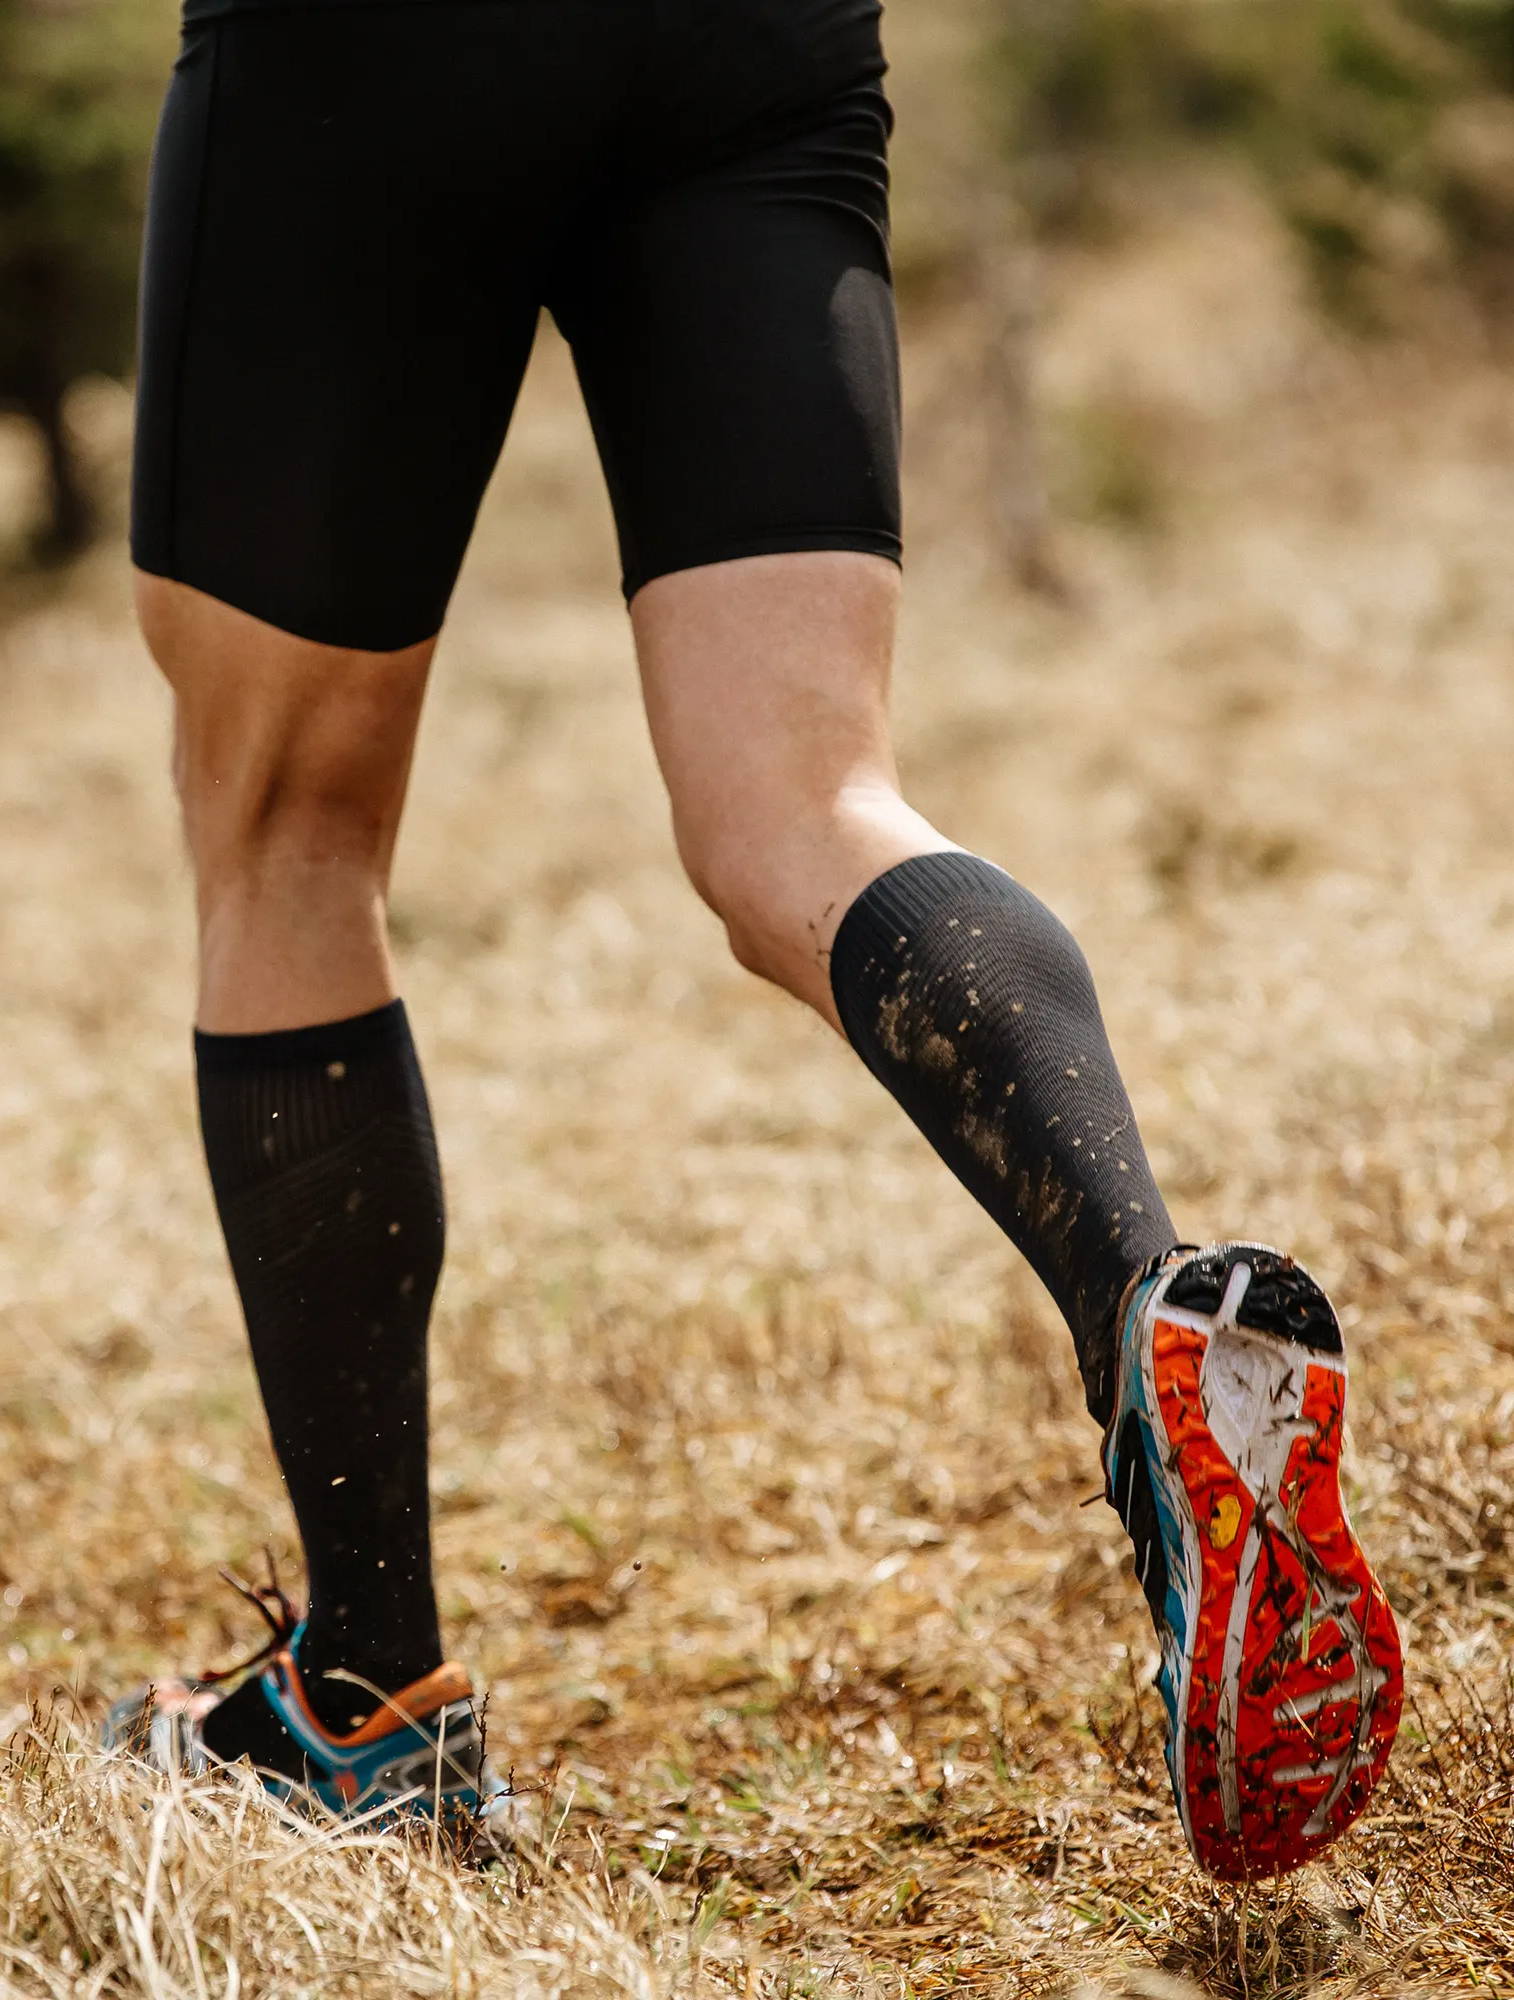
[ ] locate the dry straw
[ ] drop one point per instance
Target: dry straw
(758, 1459)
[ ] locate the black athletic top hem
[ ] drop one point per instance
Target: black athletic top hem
(354, 629)
(863, 541)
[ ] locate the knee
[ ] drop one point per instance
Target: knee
(772, 876)
(325, 776)
(755, 930)
(281, 745)
(729, 865)
(780, 866)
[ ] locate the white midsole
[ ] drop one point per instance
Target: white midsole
(1189, 1581)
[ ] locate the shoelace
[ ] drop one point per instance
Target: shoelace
(274, 1607)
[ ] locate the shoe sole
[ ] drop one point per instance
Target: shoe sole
(1292, 1683)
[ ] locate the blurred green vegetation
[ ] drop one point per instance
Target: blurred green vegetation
(79, 84)
(1382, 130)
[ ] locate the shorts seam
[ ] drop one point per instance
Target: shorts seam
(186, 305)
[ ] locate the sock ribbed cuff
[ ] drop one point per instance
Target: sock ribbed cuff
(272, 1102)
(327, 1041)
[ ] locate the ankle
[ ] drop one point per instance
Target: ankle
(345, 1682)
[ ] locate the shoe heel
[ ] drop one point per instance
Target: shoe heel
(1279, 1296)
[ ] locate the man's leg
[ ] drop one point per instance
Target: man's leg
(1222, 1382)
(291, 760)
(736, 343)
(767, 687)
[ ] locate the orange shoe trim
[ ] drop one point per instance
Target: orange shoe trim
(444, 1685)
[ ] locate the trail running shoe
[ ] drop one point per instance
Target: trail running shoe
(1281, 1671)
(420, 1754)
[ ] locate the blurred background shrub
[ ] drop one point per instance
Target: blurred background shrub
(79, 84)
(1383, 130)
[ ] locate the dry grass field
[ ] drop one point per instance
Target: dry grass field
(759, 1460)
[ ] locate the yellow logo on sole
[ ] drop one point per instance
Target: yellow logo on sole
(1224, 1522)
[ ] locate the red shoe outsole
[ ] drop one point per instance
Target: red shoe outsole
(1296, 1680)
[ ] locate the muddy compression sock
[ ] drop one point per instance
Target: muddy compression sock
(972, 1003)
(324, 1167)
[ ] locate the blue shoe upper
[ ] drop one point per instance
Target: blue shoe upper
(1140, 1490)
(427, 1765)
(419, 1753)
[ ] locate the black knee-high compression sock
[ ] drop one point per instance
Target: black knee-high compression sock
(324, 1167)
(973, 1004)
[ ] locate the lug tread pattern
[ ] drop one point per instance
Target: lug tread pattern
(1281, 1299)
(1282, 1746)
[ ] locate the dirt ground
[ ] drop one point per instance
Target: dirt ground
(759, 1459)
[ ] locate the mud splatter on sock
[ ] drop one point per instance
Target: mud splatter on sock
(974, 1006)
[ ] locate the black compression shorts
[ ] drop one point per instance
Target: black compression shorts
(358, 209)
